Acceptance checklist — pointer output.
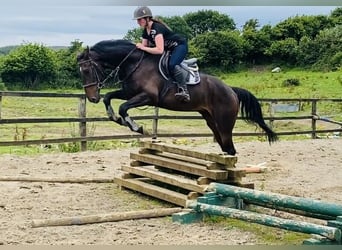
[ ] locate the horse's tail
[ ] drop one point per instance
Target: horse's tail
(251, 111)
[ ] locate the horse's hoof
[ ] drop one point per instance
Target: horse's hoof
(140, 130)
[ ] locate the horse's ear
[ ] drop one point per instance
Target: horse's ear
(86, 51)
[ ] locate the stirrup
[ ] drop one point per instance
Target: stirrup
(182, 95)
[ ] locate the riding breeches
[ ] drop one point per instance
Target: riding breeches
(178, 54)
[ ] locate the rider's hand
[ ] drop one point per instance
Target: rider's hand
(140, 46)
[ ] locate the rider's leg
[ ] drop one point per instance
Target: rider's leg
(178, 74)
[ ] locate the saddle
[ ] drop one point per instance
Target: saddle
(189, 66)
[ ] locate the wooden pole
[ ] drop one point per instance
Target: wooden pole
(268, 220)
(313, 120)
(55, 179)
(82, 113)
(155, 123)
(111, 217)
(277, 200)
(0, 104)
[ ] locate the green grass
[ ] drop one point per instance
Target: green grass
(262, 84)
(269, 85)
(265, 235)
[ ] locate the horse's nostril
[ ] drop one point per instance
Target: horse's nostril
(95, 99)
(92, 99)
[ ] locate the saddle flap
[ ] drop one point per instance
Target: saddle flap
(190, 61)
(189, 65)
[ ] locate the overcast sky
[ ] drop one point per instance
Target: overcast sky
(60, 25)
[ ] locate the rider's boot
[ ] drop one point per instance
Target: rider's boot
(179, 75)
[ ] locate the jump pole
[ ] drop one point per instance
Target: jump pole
(110, 217)
(277, 200)
(331, 233)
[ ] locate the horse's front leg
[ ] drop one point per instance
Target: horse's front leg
(118, 94)
(137, 101)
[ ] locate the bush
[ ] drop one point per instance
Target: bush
(2, 86)
(291, 82)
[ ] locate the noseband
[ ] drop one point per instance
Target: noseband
(115, 72)
(95, 70)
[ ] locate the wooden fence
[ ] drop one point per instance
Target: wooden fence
(275, 107)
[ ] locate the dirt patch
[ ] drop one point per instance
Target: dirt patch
(307, 168)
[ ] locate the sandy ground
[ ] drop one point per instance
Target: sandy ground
(307, 168)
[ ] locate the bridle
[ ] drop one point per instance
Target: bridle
(97, 70)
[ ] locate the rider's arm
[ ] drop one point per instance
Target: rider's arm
(158, 49)
(144, 42)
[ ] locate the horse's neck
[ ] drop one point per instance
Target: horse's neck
(118, 57)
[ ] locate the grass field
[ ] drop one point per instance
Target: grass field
(262, 84)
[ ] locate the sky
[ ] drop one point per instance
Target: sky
(59, 25)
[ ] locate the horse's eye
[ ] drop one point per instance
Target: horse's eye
(84, 70)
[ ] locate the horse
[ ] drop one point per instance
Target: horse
(142, 84)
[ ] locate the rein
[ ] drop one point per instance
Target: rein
(115, 72)
(117, 69)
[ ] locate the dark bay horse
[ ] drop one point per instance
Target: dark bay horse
(142, 84)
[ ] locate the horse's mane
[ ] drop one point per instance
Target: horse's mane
(108, 46)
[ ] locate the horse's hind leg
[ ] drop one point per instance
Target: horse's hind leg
(211, 124)
(228, 146)
(225, 122)
(222, 131)
(227, 139)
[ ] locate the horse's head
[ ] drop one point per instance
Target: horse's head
(91, 74)
(109, 54)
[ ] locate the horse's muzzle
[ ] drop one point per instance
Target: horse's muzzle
(94, 99)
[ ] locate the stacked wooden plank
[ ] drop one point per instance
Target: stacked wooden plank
(177, 175)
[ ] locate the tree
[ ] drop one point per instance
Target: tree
(336, 16)
(255, 41)
(208, 21)
(251, 25)
(178, 25)
(299, 26)
(223, 49)
(284, 51)
(68, 70)
(134, 35)
(322, 53)
(329, 44)
(308, 52)
(29, 65)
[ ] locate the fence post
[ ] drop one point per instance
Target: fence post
(155, 123)
(82, 113)
(313, 120)
(0, 103)
(271, 110)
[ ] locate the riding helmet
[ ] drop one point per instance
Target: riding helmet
(141, 12)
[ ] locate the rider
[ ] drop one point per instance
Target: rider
(158, 37)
